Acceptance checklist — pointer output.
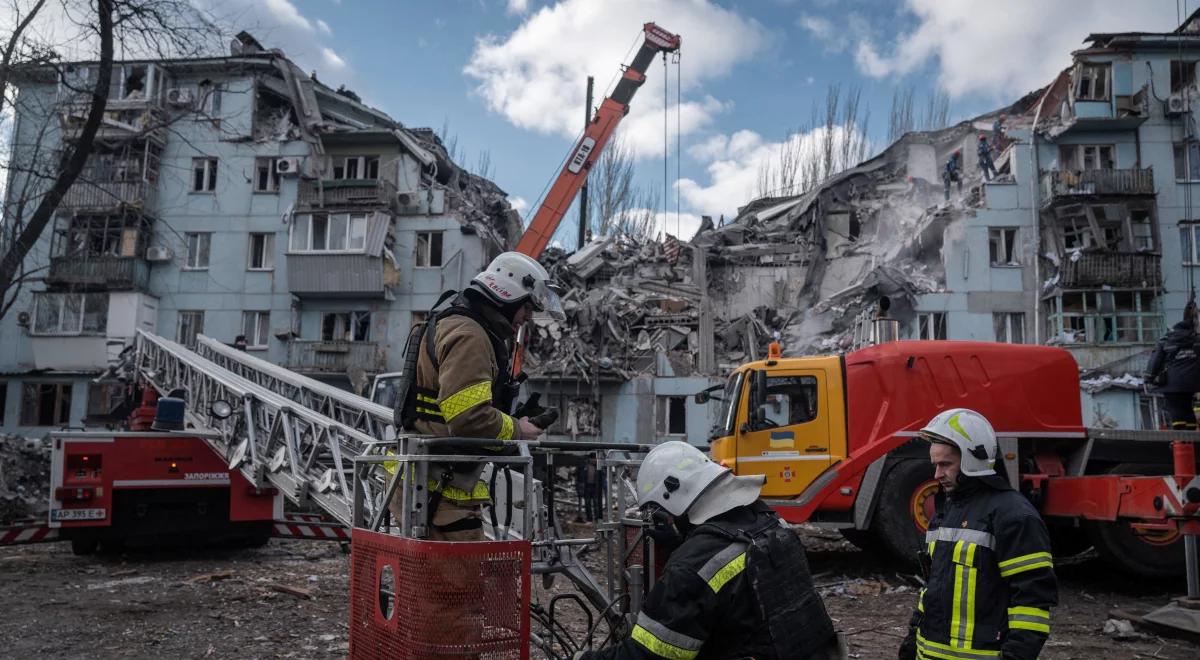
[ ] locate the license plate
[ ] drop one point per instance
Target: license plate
(78, 514)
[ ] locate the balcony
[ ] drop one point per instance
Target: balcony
(1058, 185)
(355, 193)
(1114, 269)
(334, 357)
(123, 119)
(333, 275)
(100, 272)
(103, 196)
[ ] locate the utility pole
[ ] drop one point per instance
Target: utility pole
(583, 194)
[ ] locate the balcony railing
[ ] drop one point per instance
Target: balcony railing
(332, 275)
(107, 195)
(330, 193)
(334, 357)
(1114, 269)
(1057, 184)
(100, 272)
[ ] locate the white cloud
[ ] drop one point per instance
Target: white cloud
(535, 76)
(332, 59)
(519, 204)
(287, 14)
(1003, 48)
(518, 6)
(324, 27)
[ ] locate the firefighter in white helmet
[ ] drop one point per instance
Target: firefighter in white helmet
(463, 386)
(990, 579)
(737, 586)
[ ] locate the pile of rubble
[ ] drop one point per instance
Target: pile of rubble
(24, 477)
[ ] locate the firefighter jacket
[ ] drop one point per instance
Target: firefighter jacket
(991, 580)
(466, 392)
(1176, 358)
(738, 587)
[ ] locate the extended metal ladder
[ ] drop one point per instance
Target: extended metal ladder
(286, 431)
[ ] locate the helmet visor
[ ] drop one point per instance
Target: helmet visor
(546, 300)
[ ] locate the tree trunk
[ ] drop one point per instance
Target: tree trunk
(73, 160)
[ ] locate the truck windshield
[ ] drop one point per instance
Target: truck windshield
(385, 390)
(727, 416)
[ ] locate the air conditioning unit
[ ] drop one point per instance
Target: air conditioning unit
(180, 96)
(288, 166)
(409, 201)
(1176, 104)
(158, 254)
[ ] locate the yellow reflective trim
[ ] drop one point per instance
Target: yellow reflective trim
(430, 411)
(479, 492)
(1029, 611)
(1029, 625)
(426, 399)
(939, 650)
(1017, 560)
(921, 601)
(506, 428)
(727, 572)
(465, 399)
(932, 545)
(659, 647)
(1022, 568)
(972, 576)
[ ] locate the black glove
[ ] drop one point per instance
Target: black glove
(544, 419)
(531, 408)
(665, 534)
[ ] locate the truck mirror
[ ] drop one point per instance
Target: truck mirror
(705, 395)
(701, 398)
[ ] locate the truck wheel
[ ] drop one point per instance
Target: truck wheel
(905, 508)
(1155, 555)
(84, 546)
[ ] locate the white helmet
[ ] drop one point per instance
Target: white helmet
(674, 474)
(513, 277)
(971, 433)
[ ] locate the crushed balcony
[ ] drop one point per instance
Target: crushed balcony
(1059, 185)
(1112, 269)
(105, 196)
(334, 357)
(100, 272)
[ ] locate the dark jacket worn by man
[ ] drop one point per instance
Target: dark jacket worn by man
(1174, 370)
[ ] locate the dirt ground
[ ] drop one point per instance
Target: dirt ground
(289, 599)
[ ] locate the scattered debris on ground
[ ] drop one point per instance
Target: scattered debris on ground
(24, 478)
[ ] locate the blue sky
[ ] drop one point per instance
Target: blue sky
(507, 76)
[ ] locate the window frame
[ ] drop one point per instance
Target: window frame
(1187, 154)
(180, 317)
(1006, 245)
(363, 164)
(266, 253)
(63, 395)
(203, 246)
(261, 329)
(208, 175)
(273, 179)
(936, 320)
(1105, 68)
(1009, 321)
(99, 299)
(426, 256)
(352, 219)
(350, 326)
(664, 417)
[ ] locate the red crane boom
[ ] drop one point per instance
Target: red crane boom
(610, 113)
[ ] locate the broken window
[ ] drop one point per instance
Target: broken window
(1087, 157)
(189, 326)
(204, 174)
(1187, 161)
(429, 249)
(346, 326)
(1104, 317)
(338, 232)
(931, 325)
(355, 167)
(672, 415)
(199, 245)
(262, 252)
(1002, 246)
(1092, 82)
(1183, 74)
(70, 313)
(256, 328)
(103, 399)
(266, 178)
(1141, 230)
(1189, 239)
(210, 99)
(1009, 327)
(1151, 413)
(46, 404)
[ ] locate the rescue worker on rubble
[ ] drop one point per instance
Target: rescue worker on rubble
(990, 579)
(1174, 370)
(998, 133)
(953, 172)
(984, 151)
(737, 585)
(463, 387)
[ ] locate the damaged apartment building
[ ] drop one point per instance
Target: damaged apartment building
(231, 196)
(1087, 239)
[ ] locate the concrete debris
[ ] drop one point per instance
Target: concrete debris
(24, 478)
(1122, 630)
(1104, 382)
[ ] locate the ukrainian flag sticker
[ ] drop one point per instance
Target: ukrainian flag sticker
(783, 440)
